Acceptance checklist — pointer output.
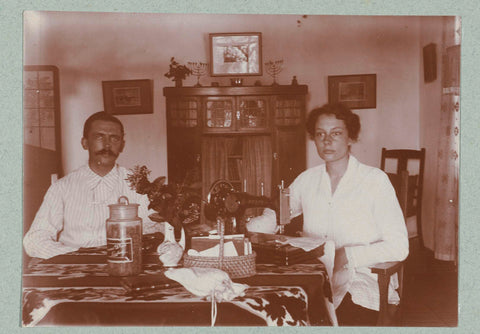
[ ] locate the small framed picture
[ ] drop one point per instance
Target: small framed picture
(357, 91)
(235, 54)
(123, 97)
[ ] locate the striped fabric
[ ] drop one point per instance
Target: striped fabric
(74, 211)
(362, 215)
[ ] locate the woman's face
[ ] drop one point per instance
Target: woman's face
(331, 138)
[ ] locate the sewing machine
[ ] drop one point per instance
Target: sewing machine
(227, 205)
(224, 202)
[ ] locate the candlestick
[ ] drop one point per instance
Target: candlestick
(198, 69)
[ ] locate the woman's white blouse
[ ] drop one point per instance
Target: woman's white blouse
(363, 215)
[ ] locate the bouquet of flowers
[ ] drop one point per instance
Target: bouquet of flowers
(177, 204)
(176, 71)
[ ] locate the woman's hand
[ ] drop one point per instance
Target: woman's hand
(340, 259)
(341, 275)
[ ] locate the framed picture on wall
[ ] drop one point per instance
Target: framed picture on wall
(235, 54)
(358, 91)
(124, 97)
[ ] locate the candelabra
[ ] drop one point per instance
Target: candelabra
(273, 68)
(198, 69)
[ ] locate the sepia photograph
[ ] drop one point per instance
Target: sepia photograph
(236, 54)
(243, 170)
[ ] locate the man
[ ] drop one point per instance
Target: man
(75, 208)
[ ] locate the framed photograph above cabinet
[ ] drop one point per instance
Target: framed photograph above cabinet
(235, 54)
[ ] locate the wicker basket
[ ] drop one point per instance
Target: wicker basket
(235, 266)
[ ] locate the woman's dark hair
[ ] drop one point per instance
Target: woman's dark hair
(100, 116)
(352, 121)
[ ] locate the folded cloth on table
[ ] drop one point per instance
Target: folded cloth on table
(205, 282)
(305, 243)
(228, 250)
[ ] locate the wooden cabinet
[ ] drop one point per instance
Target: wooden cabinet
(253, 137)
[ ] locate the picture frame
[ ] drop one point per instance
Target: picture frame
(236, 54)
(123, 97)
(357, 91)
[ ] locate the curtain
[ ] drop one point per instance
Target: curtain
(214, 161)
(446, 200)
(257, 162)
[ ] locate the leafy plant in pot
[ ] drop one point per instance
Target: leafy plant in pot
(177, 72)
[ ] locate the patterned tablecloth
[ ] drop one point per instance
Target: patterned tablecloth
(79, 282)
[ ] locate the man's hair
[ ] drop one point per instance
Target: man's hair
(100, 116)
(352, 121)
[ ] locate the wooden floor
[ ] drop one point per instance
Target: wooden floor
(430, 292)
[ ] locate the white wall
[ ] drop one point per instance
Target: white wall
(91, 47)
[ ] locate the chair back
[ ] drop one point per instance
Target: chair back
(400, 183)
(411, 197)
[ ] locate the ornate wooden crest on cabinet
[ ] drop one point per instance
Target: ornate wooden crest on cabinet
(254, 137)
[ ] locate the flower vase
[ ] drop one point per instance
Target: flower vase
(178, 83)
(170, 251)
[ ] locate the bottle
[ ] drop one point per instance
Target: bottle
(124, 239)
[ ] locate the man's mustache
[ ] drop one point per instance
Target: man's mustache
(106, 151)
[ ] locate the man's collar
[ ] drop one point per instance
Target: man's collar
(93, 179)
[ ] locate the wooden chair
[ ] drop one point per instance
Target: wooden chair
(389, 314)
(413, 209)
(409, 193)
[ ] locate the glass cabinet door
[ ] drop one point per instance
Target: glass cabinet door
(253, 113)
(219, 114)
(289, 110)
(183, 112)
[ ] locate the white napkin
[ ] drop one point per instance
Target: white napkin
(305, 243)
(228, 250)
(205, 282)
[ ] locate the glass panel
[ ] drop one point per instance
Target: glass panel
(46, 99)
(183, 113)
(219, 114)
(31, 118)
(45, 79)
(47, 138)
(30, 98)
(31, 136)
(30, 80)
(253, 113)
(287, 111)
(47, 117)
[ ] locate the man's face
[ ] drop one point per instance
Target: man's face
(104, 143)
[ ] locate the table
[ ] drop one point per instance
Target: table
(75, 289)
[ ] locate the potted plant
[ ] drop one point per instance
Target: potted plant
(177, 72)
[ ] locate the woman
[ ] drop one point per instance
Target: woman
(355, 206)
